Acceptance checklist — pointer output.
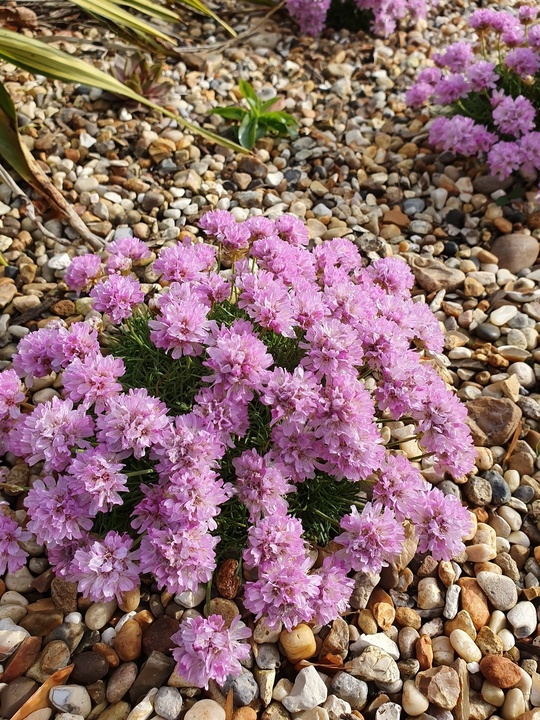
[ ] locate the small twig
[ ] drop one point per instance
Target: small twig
(30, 209)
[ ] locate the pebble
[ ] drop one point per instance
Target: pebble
(500, 590)
(522, 617)
(350, 689)
(309, 690)
(71, 699)
(205, 710)
(168, 703)
(465, 646)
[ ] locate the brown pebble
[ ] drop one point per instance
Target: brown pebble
(407, 617)
(384, 615)
(22, 659)
(462, 621)
(500, 671)
(474, 601)
(108, 653)
(157, 636)
(63, 308)
(130, 600)
(226, 608)
(227, 579)
(128, 641)
(245, 713)
(424, 652)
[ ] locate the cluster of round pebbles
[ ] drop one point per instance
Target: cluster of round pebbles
(424, 639)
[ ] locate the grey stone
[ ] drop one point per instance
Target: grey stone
(500, 492)
(350, 689)
(244, 687)
(364, 583)
(478, 491)
(374, 664)
(168, 703)
(268, 657)
(500, 590)
(523, 619)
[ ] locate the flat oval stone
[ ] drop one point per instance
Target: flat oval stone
(121, 681)
(500, 590)
(515, 251)
(99, 614)
(15, 695)
(523, 619)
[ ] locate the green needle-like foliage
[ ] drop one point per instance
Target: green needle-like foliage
(319, 503)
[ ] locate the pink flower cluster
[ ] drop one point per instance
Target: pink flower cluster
(341, 323)
(311, 14)
(492, 90)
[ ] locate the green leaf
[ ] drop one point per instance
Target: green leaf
(108, 10)
(250, 96)
(201, 7)
(230, 113)
(42, 59)
(281, 117)
(247, 132)
(267, 104)
(160, 12)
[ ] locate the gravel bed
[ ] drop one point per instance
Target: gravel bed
(424, 639)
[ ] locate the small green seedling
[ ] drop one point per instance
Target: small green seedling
(257, 120)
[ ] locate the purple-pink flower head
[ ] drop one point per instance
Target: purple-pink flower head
(195, 498)
(179, 560)
(291, 229)
(482, 75)
(216, 223)
(206, 649)
(132, 423)
(310, 15)
(11, 395)
(40, 353)
(56, 513)
(514, 116)
(371, 539)
(260, 485)
(129, 247)
(332, 348)
(237, 358)
(12, 556)
(185, 445)
(527, 13)
(106, 570)
(530, 151)
(93, 380)
(335, 590)
(399, 486)
(284, 592)
(504, 158)
(236, 238)
(80, 341)
(260, 228)
(181, 327)
(429, 76)
(457, 57)
(185, 261)
(418, 94)
(223, 412)
(441, 522)
(274, 539)
(117, 296)
(523, 61)
(483, 19)
(533, 37)
(82, 271)
(96, 474)
(295, 397)
(266, 300)
(392, 274)
(451, 88)
(51, 431)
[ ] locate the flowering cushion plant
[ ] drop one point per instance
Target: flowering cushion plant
(239, 413)
(311, 15)
(491, 87)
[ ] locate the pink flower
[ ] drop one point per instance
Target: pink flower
(51, 431)
(274, 539)
(182, 325)
(117, 296)
(206, 649)
(96, 474)
(441, 523)
(106, 569)
(93, 380)
(291, 229)
(56, 513)
(335, 590)
(482, 76)
(371, 540)
(132, 423)
(259, 485)
(504, 158)
(11, 394)
(237, 357)
(399, 487)
(523, 61)
(284, 592)
(12, 556)
(185, 261)
(514, 116)
(82, 271)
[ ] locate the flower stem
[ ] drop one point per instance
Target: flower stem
(136, 473)
(326, 517)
